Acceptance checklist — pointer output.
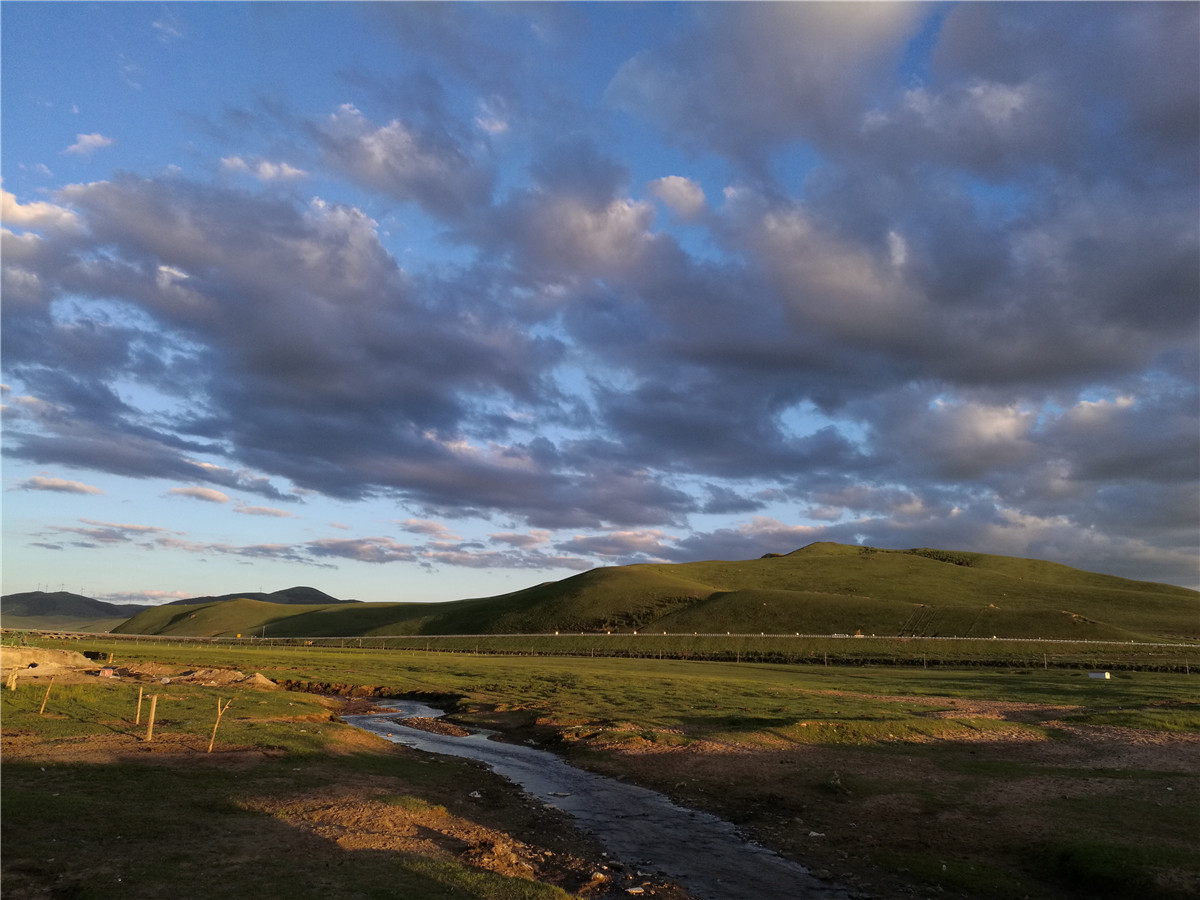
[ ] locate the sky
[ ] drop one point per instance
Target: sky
(422, 301)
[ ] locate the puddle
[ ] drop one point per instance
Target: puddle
(640, 828)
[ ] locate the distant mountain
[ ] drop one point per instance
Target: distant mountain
(823, 588)
(294, 596)
(62, 610)
(64, 603)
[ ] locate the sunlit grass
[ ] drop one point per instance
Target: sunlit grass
(265, 719)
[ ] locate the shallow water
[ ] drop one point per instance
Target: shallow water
(639, 827)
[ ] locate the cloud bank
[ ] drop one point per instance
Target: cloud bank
(970, 323)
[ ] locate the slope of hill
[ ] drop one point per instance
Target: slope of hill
(64, 603)
(294, 596)
(61, 623)
(64, 611)
(820, 589)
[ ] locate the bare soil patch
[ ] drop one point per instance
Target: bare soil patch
(370, 814)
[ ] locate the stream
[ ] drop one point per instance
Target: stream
(639, 827)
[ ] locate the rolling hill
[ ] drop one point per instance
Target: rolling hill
(62, 610)
(294, 596)
(820, 589)
(54, 610)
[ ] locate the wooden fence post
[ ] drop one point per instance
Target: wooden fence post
(47, 697)
(138, 720)
(150, 724)
(220, 712)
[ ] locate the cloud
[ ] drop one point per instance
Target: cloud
(111, 532)
(168, 28)
(277, 551)
(147, 597)
(208, 495)
(262, 511)
(36, 215)
(524, 541)
(684, 196)
(954, 305)
(263, 169)
(433, 529)
(430, 169)
(60, 485)
(743, 80)
(87, 144)
(370, 549)
(643, 546)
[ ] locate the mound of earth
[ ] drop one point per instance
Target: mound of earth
(209, 676)
(38, 658)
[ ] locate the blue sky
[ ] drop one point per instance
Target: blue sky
(420, 301)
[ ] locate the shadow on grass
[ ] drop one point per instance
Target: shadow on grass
(134, 831)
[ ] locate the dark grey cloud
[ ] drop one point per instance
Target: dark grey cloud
(406, 164)
(1137, 63)
(745, 80)
(113, 532)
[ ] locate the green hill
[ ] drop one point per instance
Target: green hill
(62, 611)
(64, 603)
(820, 589)
(295, 596)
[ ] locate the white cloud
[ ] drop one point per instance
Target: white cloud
(595, 241)
(261, 511)
(684, 196)
(433, 529)
(61, 485)
(535, 538)
(209, 495)
(35, 215)
(492, 117)
(405, 163)
(168, 28)
(87, 144)
(263, 169)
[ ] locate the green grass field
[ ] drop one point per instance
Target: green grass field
(840, 742)
(673, 692)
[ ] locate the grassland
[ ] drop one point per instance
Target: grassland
(94, 810)
(971, 782)
(821, 589)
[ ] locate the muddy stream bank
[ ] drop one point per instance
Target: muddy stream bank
(640, 828)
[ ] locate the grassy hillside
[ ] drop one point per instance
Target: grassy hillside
(61, 623)
(820, 589)
(64, 603)
(296, 596)
(62, 611)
